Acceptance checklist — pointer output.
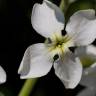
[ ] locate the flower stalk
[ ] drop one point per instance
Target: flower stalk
(27, 87)
(64, 5)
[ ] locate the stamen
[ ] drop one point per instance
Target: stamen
(49, 40)
(63, 33)
(72, 49)
(56, 57)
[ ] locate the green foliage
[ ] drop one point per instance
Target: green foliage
(79, 5)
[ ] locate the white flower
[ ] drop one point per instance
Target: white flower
(48, 20)
(89, 73)
(2, 75)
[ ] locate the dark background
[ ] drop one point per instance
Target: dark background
(16, 34)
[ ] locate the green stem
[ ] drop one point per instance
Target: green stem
(64, 5)
(27, 87)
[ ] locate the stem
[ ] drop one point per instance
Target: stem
(27, 87)
(64, 5)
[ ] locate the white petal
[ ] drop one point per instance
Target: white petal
(87, 92)
(89, 74)
(35, 63)
(69, 70)
(89, 77)
(87, 54)
(89, 50)
(89, 81)
(47, 18)
(82, 27)
(2, 75)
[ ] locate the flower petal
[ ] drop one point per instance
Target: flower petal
(89, 81)
(69, 70)
(47, 18)
(82, 27)
(89, 77)
(36, 62)
(2, 75)
(86, 50)
(87, 54)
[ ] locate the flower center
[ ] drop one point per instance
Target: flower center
(58, 44)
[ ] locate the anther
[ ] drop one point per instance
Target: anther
(56, 57)
(49, 40)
